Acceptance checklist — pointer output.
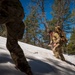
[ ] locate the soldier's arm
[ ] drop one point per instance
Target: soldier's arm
(57, 37)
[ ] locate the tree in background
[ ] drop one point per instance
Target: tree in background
(34, 33)
(41, 12)
(61, 12)
(31, 27)
(71, 44)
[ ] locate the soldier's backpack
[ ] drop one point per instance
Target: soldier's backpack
(61, 34)
(63, 38)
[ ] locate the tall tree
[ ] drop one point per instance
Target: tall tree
(71, 44)
(32, 27)
(42, 20)
(61, 11)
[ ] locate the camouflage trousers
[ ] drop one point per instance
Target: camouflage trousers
(15, 32)
(58, 52)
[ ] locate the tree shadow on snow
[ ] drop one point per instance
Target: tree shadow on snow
(65, 69)
(39, 66)
(5, 58)
(8, 69)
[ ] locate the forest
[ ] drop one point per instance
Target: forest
(37, 25)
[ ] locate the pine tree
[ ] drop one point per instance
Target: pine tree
(31, 27)
(61, 12)
(71, 44)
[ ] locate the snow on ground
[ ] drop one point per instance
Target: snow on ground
(41, 60)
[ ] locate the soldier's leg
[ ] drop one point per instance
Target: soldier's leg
(61, 54)
(55, 51)
(15, 50)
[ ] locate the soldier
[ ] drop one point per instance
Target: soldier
(56, 44)
(12, 14)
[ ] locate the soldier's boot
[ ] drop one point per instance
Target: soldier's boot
(61, 57)
(21, 64)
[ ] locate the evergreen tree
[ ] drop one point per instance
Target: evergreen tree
(31, 27)
(71, 44)
(61, 12)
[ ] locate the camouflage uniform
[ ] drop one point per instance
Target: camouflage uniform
(57, 46)
(12, 13)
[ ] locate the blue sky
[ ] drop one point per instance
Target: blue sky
(48, 9)
(48, 4)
